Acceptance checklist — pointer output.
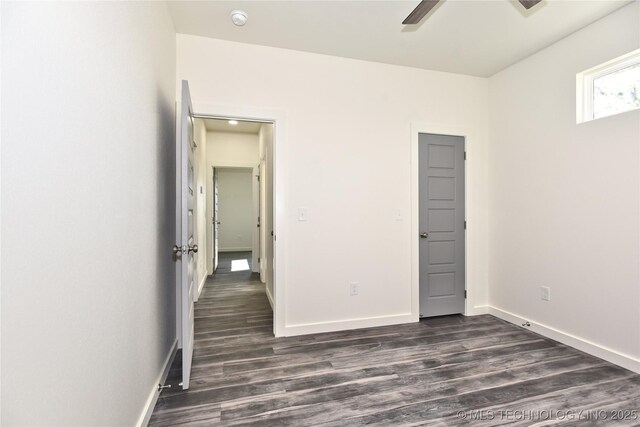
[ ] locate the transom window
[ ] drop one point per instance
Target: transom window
(609, 88)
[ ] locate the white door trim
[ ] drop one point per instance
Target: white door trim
(278, 118)
(469, 136)
(255, 230)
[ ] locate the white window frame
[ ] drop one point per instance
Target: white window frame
(584, 84)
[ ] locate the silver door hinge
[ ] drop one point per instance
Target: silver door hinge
(465, 225)
(465, 294)
(258, 260)
(465, 155)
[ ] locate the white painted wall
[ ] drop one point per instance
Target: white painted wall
(230, 148)
(565, 197)
(236, 209)
(346, 151)
(201, 209)
(88, 190)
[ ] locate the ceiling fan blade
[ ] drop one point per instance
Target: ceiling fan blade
(423, 8)
(528, 4)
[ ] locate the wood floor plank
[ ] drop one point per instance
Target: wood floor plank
(436, 384)
(402, 375)
(184, 416)
(506, 394)
(575, 406)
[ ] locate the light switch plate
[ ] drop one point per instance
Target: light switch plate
(545, 293)
(303, 214)
(354, 288)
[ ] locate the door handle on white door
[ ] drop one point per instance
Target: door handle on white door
(193, 249)
(424, 235)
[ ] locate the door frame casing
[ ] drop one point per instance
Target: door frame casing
(213, 256)
(469, 137)
(279, 213)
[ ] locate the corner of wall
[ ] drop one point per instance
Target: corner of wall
(625, 360)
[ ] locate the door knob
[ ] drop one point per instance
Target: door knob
(424, 235)
(193, 249)
(177, 250)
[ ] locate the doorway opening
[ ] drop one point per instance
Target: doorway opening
(235, 230)
(198, 162)
(236, 171)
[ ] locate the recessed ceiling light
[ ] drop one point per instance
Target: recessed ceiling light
(233, 122)
(239, 17)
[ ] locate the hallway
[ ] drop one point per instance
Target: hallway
(231, 315)
(394, 375)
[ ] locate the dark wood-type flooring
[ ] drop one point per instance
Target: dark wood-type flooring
(414, 374)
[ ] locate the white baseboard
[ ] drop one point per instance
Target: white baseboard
(477, 310)
(201, 285)
(621, 359)
(145, 416)
(269, 296)
(343, 325)
(235, 249)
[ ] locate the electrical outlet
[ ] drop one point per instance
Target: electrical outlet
(545, 293)
(354, 288)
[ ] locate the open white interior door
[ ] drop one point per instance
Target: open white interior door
(255, 238)
(186, 198)
(216, 220)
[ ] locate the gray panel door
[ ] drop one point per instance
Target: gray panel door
(442, 240)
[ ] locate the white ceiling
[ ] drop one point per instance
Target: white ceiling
(219, 125)
(475, 37)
